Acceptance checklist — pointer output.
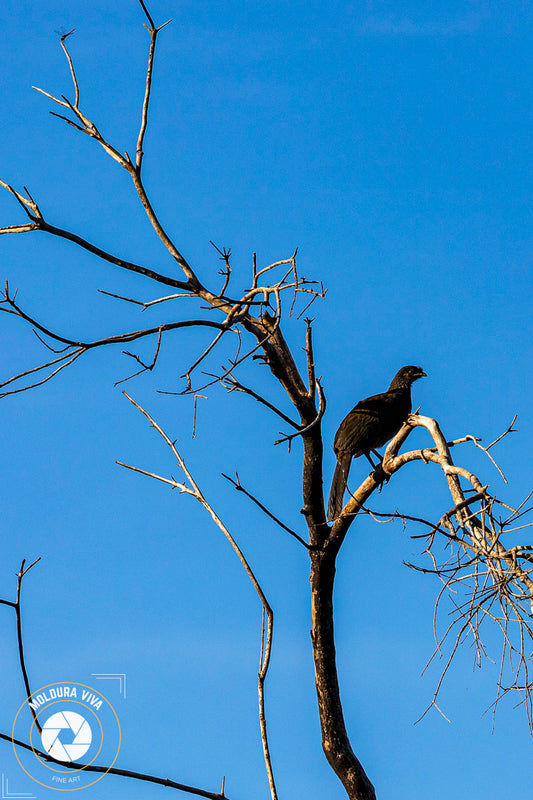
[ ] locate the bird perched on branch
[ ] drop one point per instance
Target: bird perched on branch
(370, 424)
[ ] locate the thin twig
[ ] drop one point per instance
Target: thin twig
(153, 31)
(144, 367)
(240, 488)
(233, 385)
(310, 357)
(71, 65)
(321, 411)
(18, 614)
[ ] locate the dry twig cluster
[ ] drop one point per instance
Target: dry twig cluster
(482, 576)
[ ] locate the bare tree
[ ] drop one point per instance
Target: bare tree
(471, 547)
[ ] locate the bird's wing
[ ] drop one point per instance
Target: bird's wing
(374, 404)
(357, 427)
(366, 426)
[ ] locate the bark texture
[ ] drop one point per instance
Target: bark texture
(335, 741)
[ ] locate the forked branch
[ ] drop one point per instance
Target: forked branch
(74, 349)
(191, 487)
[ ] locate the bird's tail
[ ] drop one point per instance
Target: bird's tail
(338, 485)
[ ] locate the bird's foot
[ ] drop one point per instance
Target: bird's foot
(380, 476)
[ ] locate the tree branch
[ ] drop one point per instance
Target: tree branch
(240, 488)
(124, 773)
(38, 223)
(153, 31)
(266, 635)
(233, 385)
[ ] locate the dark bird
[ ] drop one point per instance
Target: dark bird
(370, 424)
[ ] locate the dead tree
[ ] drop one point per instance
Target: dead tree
(470, 547)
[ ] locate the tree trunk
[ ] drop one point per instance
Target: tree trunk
(335, 741)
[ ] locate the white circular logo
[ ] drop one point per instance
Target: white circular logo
(67, 724)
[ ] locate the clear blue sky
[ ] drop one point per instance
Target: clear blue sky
(390, 142)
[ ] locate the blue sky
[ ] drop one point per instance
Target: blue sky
(390, 142)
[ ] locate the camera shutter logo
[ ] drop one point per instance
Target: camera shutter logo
(64, 725)
(58, 733)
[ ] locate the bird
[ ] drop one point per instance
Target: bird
(370, 424)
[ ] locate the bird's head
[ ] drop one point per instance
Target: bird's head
(406, 376)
